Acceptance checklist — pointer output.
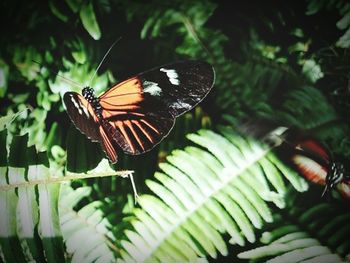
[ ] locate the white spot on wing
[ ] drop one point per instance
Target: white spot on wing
(85, 111)
(151, 88)
(181, 105)
(76, 105)
(80, 107)
(172, 75)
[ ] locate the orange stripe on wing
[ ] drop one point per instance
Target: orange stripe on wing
(128, 123)
(109, 105)
(344, 189)
(92, 113)
(128, 92)
(112, 155)
(143, 130)
(112, 113)
(121, 95)
(114, 124)
(149, 125)
(124, 133)
(120, 107)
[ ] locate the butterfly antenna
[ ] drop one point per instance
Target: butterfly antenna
(325, 190)
(103, 59)
(66, 79)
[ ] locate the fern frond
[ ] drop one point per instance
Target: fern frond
(315, 232)
(203, 193)
(307, 108)
(29, 227)
(29, 196)
(68, 177)
(86, 232)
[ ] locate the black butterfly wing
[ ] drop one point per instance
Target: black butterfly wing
(142, 109)
(180, 86)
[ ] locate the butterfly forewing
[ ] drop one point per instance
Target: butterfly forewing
(180, 86)
(84, 118)
(82, 115)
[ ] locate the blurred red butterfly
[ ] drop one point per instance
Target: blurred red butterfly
(302, 152)
(138, 113)
(312, 160)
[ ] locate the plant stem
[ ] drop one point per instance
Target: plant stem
(69, 177)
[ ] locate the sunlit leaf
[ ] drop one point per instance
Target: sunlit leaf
(74, 5)
(344, 22)
(57, 12)
(9, 241)
(88, 18)
(312, 70)
(4, 71)
(344, 40)
(5, 121)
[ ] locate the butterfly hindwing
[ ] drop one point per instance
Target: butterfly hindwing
(136, 135)
(139, 127)
(107, 142)
(137, 121)
(311, 159)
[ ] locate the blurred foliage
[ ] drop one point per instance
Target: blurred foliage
(318, 234)
(285, 62)
(343, 8)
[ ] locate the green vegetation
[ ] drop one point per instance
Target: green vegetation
(208, 192)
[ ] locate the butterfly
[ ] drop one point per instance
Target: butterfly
(137, 113)
(312, 160)
(315, 163)
(300, 150)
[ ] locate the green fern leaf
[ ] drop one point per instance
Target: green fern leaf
(86, 232)
(28, 212)
(307, 108)
(318, 234)
(203, 194)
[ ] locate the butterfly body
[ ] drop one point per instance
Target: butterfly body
(139, 112)
(89, 95)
